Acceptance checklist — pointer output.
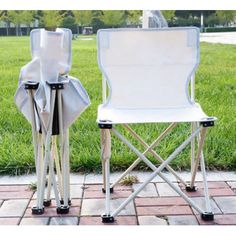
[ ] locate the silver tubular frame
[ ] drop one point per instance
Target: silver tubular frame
(47, 156)
(197, 131)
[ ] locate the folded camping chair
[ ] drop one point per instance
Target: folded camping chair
(51, 101)
(149, 73)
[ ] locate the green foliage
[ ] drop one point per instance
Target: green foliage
(113, 18)
(134, 17)
(83, 18)
(52, 19)
(226, 16)
(215, 91)
(220, 29)
(69, 23)
(168, 14)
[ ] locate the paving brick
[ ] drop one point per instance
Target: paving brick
(232, 184)
(35, 221)
(98, 187)
(164, 210)
(160, 201)
(226, 204)
(164, 189)
(219, 220)
(200, 201)
(14, 188)
(51, 211)
(74, 203)
(9, 221)
(182, 220)
(119, 220)
(148, 191)
(95, 207)
(212, 192)
(99, 194)
(13, 208)
(16, 195)
(229, 176)
(151, 220)
(64, 221)
(211, 184)
(76, 191)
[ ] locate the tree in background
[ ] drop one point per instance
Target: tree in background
(134, 17)
(168, 14)
(83, 18)
(16, 17)
(28, 18)
(69, 23)
(5, 18)
(52, 19)
(226, 17)
(113, 18)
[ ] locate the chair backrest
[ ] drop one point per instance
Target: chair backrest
(148, 68)
(53, 49)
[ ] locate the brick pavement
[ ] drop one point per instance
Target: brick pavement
(157, 205)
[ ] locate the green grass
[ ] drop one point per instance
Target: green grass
(215, 90)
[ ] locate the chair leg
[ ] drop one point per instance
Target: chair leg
(188, 187)
(106, 155)
(208, 215)
(198, 156)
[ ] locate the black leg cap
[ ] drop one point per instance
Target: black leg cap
(207, 216)
(107, 219)
(104, 190)
(37, 211)
(188, 188)
(62, 202)
(47, 203)
(63, 210)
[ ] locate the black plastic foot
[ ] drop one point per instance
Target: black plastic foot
(47, 203)
(107, 219)
(62, 202)
(188, 188)
(207, 216)
(104, 190)
(37, 211)
(63, 210)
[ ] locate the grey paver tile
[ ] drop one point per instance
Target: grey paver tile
(148, 191)
(229, 176)
(164, 189)
(200, 201)
(64, 221)
(9, 221)
(13, 208)
(151, 220)
(232, 184)
(182, 220)
(35, 221)
(94, 207)
(226, 204)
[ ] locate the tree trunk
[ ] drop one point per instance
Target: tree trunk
(7, 27)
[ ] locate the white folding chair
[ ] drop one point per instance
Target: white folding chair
(51, 101)
(150, 74)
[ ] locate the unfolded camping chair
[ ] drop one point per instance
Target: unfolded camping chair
(51, 100)
(150, 74)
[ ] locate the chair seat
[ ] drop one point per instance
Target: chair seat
(192, 113)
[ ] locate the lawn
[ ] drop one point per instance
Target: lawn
(215, 90)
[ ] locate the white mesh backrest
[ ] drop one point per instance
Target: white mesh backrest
(53, 50)
(148, 68)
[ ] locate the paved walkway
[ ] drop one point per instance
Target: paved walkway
(155, 205)
(224, 37)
